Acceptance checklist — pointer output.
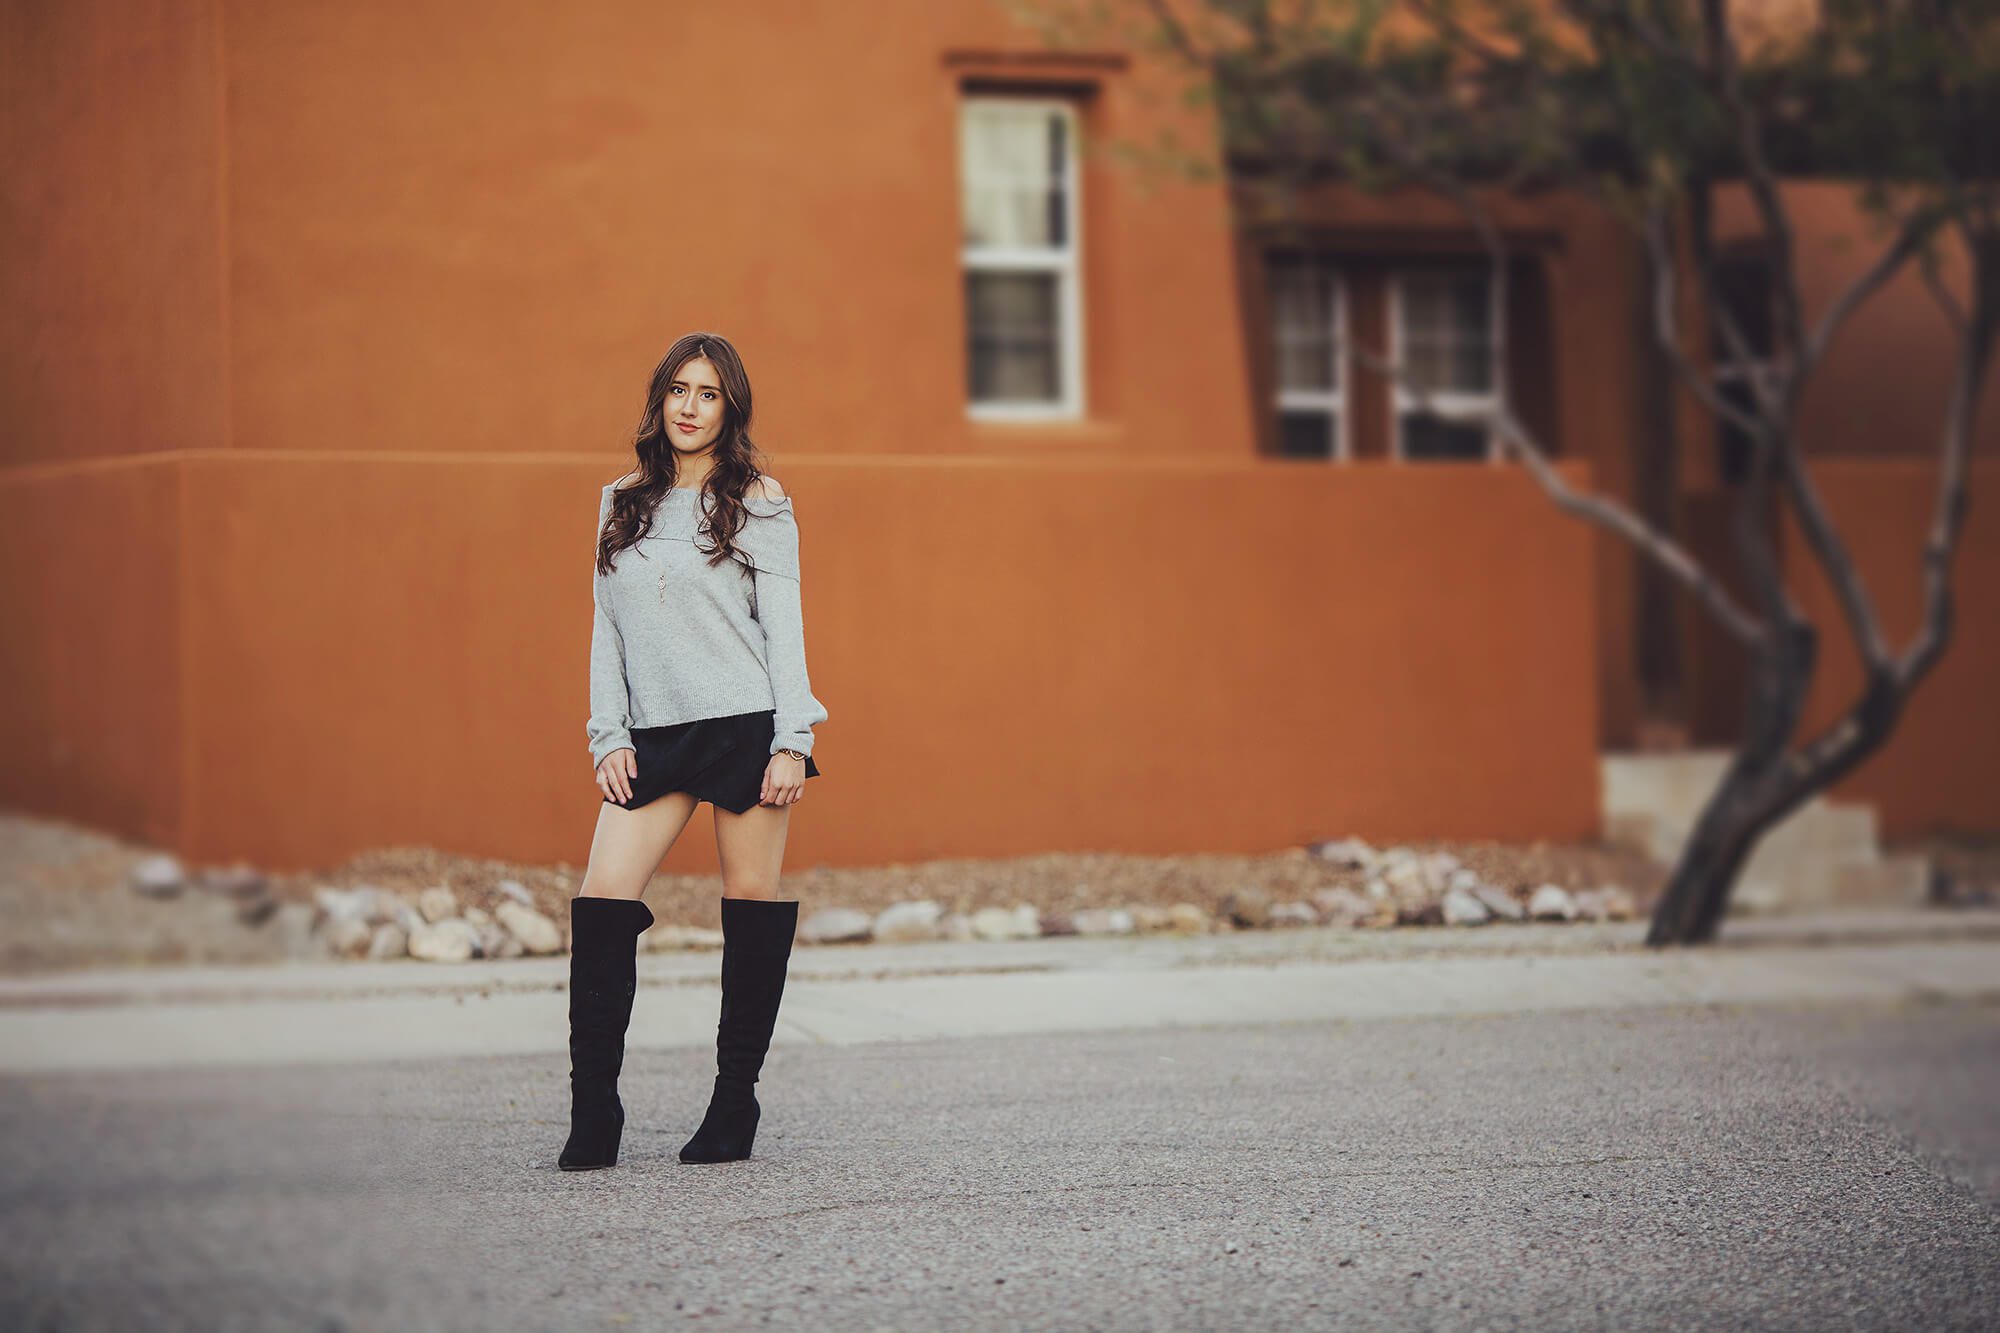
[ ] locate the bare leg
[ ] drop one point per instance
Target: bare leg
(630, 844)
(751, 848)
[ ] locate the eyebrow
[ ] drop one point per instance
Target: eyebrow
(685, 385)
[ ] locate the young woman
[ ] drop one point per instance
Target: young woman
(698, 692)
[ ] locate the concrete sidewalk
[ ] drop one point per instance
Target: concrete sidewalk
(841, 995)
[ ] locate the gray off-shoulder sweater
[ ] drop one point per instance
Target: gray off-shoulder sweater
(676, 639)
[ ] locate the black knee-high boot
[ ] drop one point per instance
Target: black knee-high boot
(756, 947)
(603, 975)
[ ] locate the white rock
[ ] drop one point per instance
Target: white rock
(955, 926)
(1499, 902)
(1551, 902)
(292, 925)
(1027, 921)
(478, 916)
(1462, 908)
(346, 935)
(832, 925)
(908, 921)
(1149, 917)
(515, 889)
(437, 903)
(1103, 921)
(1293, 914)
(1348, 853)
(537, 933)
(158, 876)
(1439, 868)
(342, 904)
(1342, 906)
(1188, 919)
(389, 941)
(1002, 923)
(447, 941)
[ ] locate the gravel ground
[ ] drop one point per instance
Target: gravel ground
(63, 887)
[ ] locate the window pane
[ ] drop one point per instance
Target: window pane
(1302, 312)
(1429, 436)
(1447, 323)
(1012, 340)
(1306, 434)
(1012, 160)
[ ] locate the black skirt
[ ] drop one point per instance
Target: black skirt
(717, 759)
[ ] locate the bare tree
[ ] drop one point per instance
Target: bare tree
(1642, 107)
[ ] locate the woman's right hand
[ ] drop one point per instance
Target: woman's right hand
(615, 774)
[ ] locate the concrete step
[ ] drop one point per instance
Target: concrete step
(1826, 854)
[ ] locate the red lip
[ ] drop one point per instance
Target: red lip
(682, 425)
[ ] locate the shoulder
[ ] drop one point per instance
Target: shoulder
(766, 487)
(619, 484)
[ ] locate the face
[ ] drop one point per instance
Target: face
(693, 408)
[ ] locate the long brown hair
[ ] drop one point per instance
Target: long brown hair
(737, 461)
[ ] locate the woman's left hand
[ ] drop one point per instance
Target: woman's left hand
(784, 780)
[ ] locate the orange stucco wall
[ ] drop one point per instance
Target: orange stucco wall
(1940, 771)
(1018, 655)
(387, 285)
(334, 318)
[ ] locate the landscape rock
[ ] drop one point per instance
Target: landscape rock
(1342, 906)
(346, 936)
(1055, 922)
(256, 911)
(240, 880)
(437, 903)
(478, 916)
(1551, 902)
(449, 941)
(955, 926)
(292, 925)
(916, 920)
(834, 925)
(1249, 908)
(1103, 921)
(1346, 853)
(1500, 903)
(389, 941)
(1293, 914)
(1188, 919)
(1463, 908)
(1148, 918)
(537, 934)
(515, 890)
(1002, 923)
(158, 876)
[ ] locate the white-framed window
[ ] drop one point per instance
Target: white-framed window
(1444, 332)
(1023, 303)
(1309, 323)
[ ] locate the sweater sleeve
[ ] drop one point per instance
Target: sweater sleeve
(781, 612)
(610, 717)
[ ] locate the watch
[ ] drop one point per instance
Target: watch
(799, 755)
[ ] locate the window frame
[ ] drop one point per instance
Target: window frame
(1065, 263)
(1340, 399)
(1447, 403)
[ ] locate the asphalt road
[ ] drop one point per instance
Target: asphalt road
(1767, 1165)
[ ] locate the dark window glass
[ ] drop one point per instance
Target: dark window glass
(1429, 436)
(1011, 345)
(1306, 434)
